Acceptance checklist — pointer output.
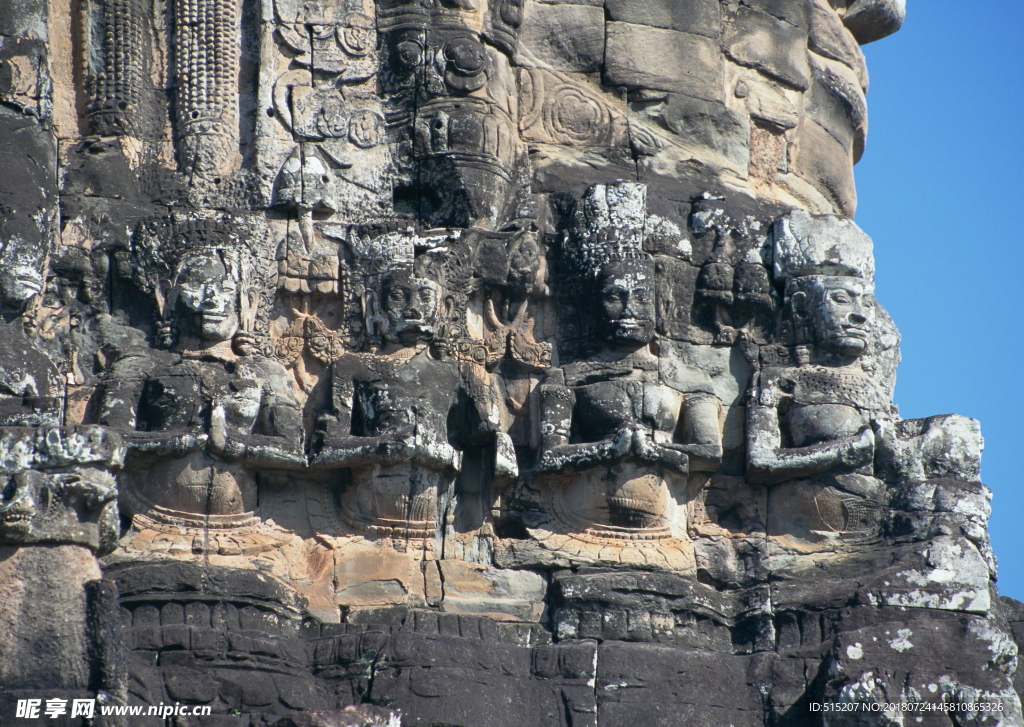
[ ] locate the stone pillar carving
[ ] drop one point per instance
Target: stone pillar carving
(58, 511)
(206, 66)
(118, 34)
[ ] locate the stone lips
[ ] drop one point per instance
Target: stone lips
(475, 363)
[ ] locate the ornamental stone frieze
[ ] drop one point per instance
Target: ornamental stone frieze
(468, 362)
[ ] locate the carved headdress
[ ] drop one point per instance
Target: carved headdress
(608, 226)
(163, 248)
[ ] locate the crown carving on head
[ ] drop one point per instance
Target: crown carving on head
(608, 225)
(161, 244)
(386, 254)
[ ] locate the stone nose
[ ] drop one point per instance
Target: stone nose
(857, 318)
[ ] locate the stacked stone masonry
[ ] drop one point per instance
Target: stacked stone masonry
(468, 363)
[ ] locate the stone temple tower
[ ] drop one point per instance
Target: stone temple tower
(466, 363)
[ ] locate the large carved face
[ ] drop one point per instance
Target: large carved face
(209, 291)
(410, 306)
(21, 278)
(70, 507)
(841, 313)
(625, 296)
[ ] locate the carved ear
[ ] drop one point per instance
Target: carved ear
(799, 302)
(247, 315)
(375, 322)
(448, 307)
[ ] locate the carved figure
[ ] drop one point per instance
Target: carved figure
(202, 418)
(59, 486)
(627, 439)
(58, 510)
(389, 416)
(451, 92)
(816, 418)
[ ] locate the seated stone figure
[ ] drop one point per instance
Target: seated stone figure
(827, 400)
(620, 439)
(819, 406)
(202, 418)
(389, 418)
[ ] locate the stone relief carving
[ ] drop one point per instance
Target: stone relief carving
(202, 416)
(442, 314)
(609, 420)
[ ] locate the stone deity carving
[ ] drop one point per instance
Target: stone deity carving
(389, 417)
(204, 416)
(625, 440)
(814, 421)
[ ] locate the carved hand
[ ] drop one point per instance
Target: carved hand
(218, 429)
(861, 450)
(399, 449)
(669, 455)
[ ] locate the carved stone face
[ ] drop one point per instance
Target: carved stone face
(212, 295)
(625, 292)
(842, 314)
(410, 305)
(39, 507)
(21, 278)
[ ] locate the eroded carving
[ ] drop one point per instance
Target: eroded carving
(203, 416)
(628, 439)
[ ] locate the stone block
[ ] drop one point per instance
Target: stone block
(639, 56)
(209, 640)
(830, 38)
(639, 675)
(871, 20)
(825, 245)
(147, 637)
(176, 637)
(755, 38)
(298, 693)
(947, 446)
(767, 101)
(707, 127)
(794, 12)
(190, 686)
(700, 17)
(562, 37)
(827, 165)
(837, 103)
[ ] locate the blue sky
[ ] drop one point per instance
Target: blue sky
(940, 192)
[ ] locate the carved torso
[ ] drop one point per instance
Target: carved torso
(612, 396)
(395, 412)
(174, 395)
(821, 403)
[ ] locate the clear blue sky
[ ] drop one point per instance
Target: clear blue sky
(940, 192)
